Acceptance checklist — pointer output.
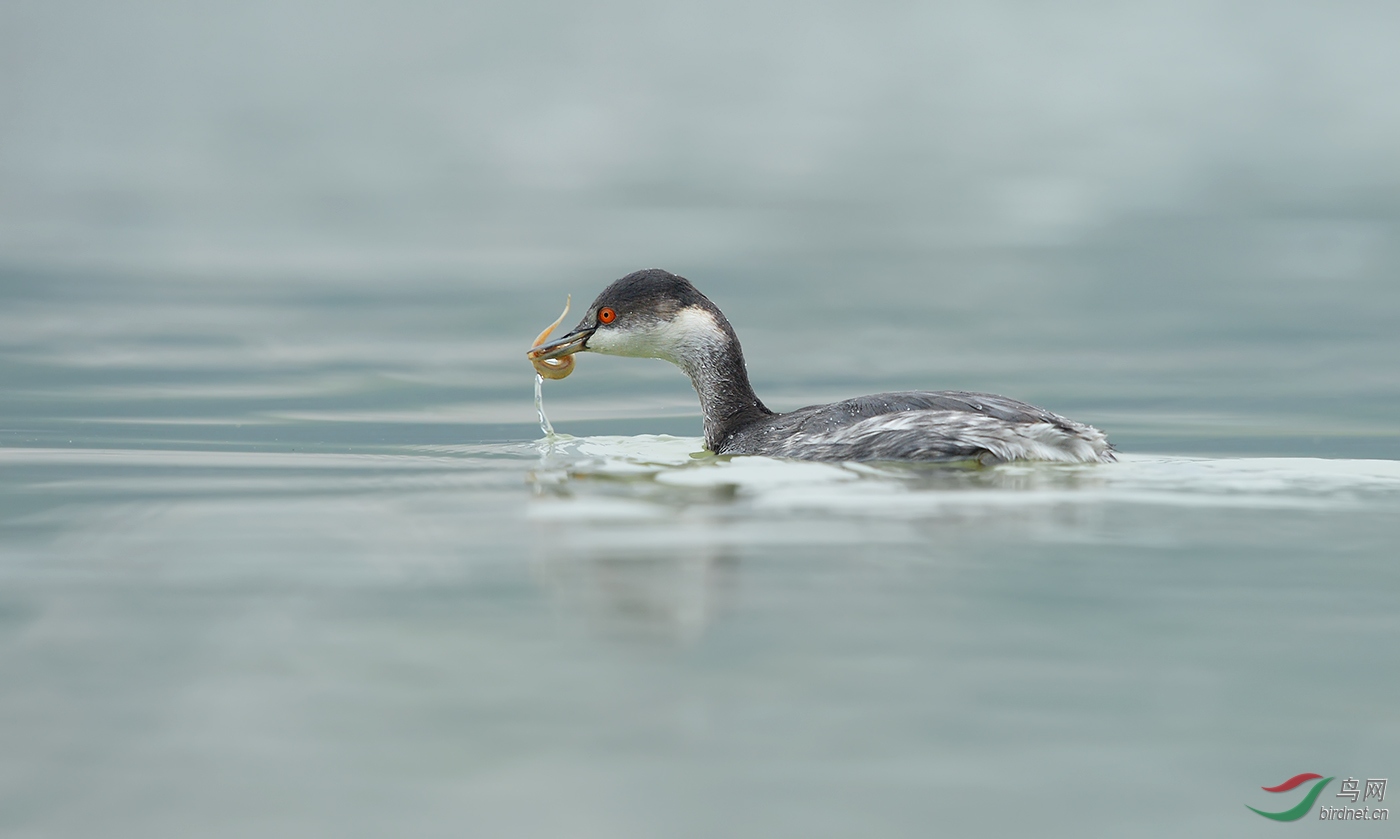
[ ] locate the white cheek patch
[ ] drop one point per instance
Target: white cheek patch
(617, 341)
(691, 334)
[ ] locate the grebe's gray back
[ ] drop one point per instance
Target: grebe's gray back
(656, 314)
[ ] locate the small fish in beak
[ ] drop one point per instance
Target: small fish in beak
(555, 364)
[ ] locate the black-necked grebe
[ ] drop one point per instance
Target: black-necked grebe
(656, 314)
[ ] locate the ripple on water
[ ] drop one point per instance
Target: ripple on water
(635, 472)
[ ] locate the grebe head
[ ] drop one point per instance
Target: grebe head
(648, 314)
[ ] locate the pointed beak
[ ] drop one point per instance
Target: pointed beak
(567, 345)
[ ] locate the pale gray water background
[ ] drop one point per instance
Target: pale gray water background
(281, 553)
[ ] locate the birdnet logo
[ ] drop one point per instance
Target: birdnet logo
(1350, 788)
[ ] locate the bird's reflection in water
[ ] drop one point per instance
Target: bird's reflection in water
(645, 541)
(671, 596)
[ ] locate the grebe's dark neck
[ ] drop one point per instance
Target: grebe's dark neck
(716, 368)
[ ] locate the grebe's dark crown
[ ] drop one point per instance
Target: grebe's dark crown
(651, 290)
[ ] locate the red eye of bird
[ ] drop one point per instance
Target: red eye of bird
(606, 315)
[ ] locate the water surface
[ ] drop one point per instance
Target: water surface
(600, 634)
